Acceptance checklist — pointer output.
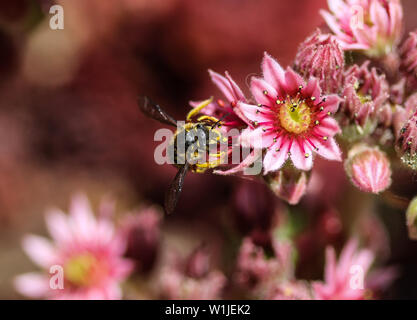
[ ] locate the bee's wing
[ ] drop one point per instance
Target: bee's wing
(154, 111)
(175, 188)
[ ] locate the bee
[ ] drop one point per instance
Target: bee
(193, 146)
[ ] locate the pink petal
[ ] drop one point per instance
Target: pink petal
(331, 104)
(40, 250)
(33, 285)
(333, 25)
(312, 89)
(272, 71)
(327, 149)
(298, 156)
(263, 92)
(293, 81)
(346, 258)
(82, 217)
(274, 159)
(248, 161)
(249, 112)
(230, 90)
(328, 127)
(257, 138)
(236, 90)
(379, 17)
(57, 224)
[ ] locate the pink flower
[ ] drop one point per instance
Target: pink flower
(191, 278)
(227, 111)
(345, 279)
(368, 168)
(321, 56)
(408, 53)
(365, 93)
(86, 248)
(291, 119)
(374, 26)
(259, 272)
(253, 267)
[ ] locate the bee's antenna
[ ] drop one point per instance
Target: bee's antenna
(221, 119)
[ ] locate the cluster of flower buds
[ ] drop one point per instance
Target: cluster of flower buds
(191, 278)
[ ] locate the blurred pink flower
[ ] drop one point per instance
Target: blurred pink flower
(292, 118)
(374, 26)
(192, 279)
(255, 268)
(88, 250)
(368, 168)
(339, 278)
(321, 56)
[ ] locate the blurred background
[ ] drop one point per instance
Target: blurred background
(69, 121)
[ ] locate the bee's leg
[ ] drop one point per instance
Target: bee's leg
(200, 107)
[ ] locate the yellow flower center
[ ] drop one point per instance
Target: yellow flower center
(79, 270)
(295, 117)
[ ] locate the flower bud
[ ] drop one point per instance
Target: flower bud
(289, 184)
(368, 168)
(321, 56)
(412, 219)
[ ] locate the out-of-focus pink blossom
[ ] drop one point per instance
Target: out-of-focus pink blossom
(288, 184)
(256, 269)
(408, 53)
(291, 119)
(87, 248)
(368, 168)
(365, 93)
(321, 56)
(192, 279)
(253, 267)
(345, 279)
(374, 26)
